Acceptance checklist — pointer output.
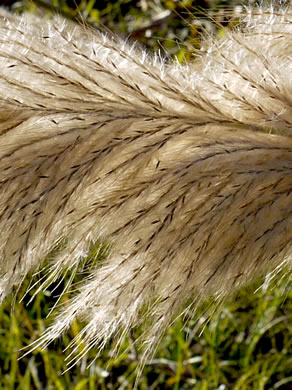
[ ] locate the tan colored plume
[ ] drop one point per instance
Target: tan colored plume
(184, 170)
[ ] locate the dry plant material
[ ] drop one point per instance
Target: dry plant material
(186, 170)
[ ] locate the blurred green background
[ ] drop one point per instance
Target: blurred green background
(247, 344)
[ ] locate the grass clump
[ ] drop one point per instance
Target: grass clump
(247, 344)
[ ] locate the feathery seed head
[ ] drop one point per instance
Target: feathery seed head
(186, 170)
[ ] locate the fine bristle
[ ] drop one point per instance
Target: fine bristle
(184, 170)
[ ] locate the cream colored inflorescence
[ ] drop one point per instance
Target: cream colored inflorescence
(186, 170)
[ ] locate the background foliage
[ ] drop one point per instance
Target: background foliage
(247, 344)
